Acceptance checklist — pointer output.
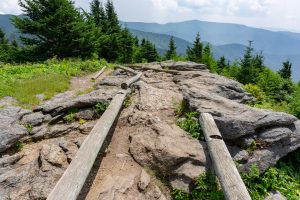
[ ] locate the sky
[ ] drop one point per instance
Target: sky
(270, 14)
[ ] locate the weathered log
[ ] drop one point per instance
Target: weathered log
(127, 83)
(72, 181)
(231, 181)
(127, 70)
(99, 73)
(140, 67)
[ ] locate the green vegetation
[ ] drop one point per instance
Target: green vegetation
(191, 125)
(171, 52)
(25, 81)
(195, 53)
(29, 127)
(70, 117)
(206, 188)
(82, 121)
(284, 177)
(100, 108)
(19, 146)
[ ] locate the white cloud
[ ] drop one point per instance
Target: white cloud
(9, 7)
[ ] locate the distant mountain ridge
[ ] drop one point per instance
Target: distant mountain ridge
(230, 40)
(227, 40)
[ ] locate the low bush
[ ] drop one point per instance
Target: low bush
(100, 108)
(191, 125)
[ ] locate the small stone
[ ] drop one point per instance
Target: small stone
(144, 180)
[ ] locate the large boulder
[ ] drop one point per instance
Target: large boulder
(11, 130)
(271, 135)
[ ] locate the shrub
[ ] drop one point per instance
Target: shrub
(256, 92)
(100, 108)
(191, 125)
(29, 127)
(70, 117)
(19, 146)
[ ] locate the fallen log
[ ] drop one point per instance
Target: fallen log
(127, 70)
(99, 73)
(229, 177)
(127, 83)
(72, 181)
(154, 69)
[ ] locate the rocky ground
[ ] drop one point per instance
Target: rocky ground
(146, 152)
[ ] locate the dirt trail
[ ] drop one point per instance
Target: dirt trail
(119, 174)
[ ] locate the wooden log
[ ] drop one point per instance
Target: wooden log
(154, 69)
(99, 73)
(231, 181)
(127, 83)
(128, 70)
(72, 181)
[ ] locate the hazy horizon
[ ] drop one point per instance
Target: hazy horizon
(265, 14)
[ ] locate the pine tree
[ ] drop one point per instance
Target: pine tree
(112, 18)
(55, 28)
(286, 71)
(207, 57)
(221, 65)
(195, 54)
(147, 52)
(245, 75)
(171, 53)
(126, 44)
(98, 14)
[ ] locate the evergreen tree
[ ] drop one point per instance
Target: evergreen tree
(221, 65)
(55, 27)
(171, 53)
(126, 44)
(245, 75)
(207, 57)
(286, 71)
(112, 18)
(98, 14)
(195, 54)
(147, 52)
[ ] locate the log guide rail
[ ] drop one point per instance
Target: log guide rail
(230, 179)
(70, 184)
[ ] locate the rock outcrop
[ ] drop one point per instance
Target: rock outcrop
(253, 136)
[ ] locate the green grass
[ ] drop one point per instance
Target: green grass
(25, 81)
(19, 146)
(100, 108)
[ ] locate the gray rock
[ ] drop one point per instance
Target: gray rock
(61, 103)
(86, 114)
(275, 195)
(272, 135)
(112, 81)
(144, 180)
(10, 129)
(164, 149)
(34, 119)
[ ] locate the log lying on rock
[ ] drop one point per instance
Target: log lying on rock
(141, 67)
(231, 181)
(127, 70)
(127, 83)
(99, 73)
(72, 181)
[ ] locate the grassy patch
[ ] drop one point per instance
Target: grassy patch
(191, 125)
(24, 82)
(29, 127)
(206, 188)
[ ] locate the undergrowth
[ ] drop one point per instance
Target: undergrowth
(190, 124)
(284, 177)
(100, 108)
(25, 81)
(206, 188)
